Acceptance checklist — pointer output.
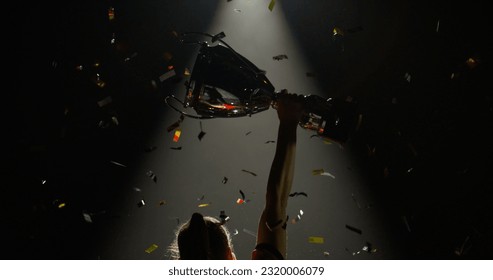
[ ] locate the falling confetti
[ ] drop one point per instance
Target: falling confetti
(242, 195)
(224, 218)
(141, 203)
(316, 239)
(111, 13)
(87, 217)
(117, 163)
(328, 174)
(317, 171)
(369, 248)
(336, 31)
(162, 202)
(151, 175)
(203, 205)
(438, 26)
(186, 72)
(176, 137)
(270, 141)
(240, 201)
(151, 248)
(250, 232)
(407, 76)
(280, 57)
(249, 172)
(358, 231)
(137, 189)
(218, 36)
(167, 75)
(327, 141)
(201, 198)
(114, 120)
(235, 232)
(202, 133)
(248, 133)
(298, 217)
(237, 10)
(298, 194)
(326, 254)
(105, 101)
(460, 251)
(225, 180)
(272, 4)
(472, 62)
(57, 203)
(173, 126)
(176, 148)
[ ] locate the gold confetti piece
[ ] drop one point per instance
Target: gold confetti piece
(162, 202)
(272, 4)
(337, 31)
(203, 205)
(326, 254)
(186, 72)
(327, 141)
(151, 248)
(176, 137)
(61, 205)
(472, 62)
(316, 240)
(317, 172)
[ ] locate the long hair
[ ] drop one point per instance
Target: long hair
(201, 238)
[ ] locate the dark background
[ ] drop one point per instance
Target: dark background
(439, 126)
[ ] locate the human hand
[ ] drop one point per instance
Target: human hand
(290, 107)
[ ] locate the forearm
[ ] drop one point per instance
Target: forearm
(271, 228)
(282, 170)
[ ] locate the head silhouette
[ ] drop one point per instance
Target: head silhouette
(202, 238)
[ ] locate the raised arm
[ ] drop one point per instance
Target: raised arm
(271, 234)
